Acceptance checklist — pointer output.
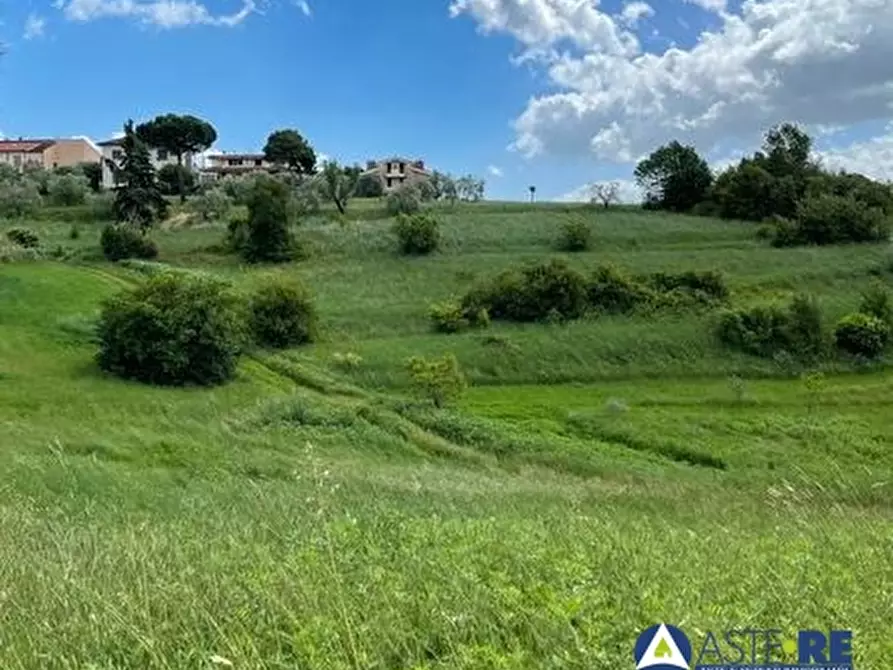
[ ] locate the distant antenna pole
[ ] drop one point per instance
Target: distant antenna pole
(532, 190)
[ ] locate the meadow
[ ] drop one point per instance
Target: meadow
(596, 478)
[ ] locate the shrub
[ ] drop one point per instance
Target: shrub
(806, 331)
(24, 237)
(417, 234)
(173, 329)
(786, 233)
(832, 219)
(706, 286)
(876, 302)
(612, 291)
(532, 294)
(19, 199)
(211, 205)
(68, 190)
(13, 253)
(403, 200)
(102, 206)
(439, 379)
(74, 233)
(451, 317)
(761, 330)
(575, 236)
(170, 176)
(125, 241)
(268, 235)
(767, 330)
(369, 186)
(282, 315)
(862, 335)
(236, 234)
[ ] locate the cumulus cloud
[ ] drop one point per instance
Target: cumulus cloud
(628, 192)
(304, 6)
(494, 170)
(811, 61)
(873, 157)
(34, 27)
(634, 12)
(161, 13)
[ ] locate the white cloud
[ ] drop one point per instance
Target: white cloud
(634, 12)
(494, 170)
(161, 13)
(628, 192)
(809, 61)
(873, 157)
(304, 6)
(34, 27)
(717, 6)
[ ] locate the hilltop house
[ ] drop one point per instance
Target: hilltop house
(395, 171)
(48, 153)
(224, 165)
(113, 155)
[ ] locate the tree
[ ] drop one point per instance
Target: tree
(369, 186)
(176, 179)
(179, 135)
(470, 189)
(337, 184)
(786, 151)
(606, 193)
(532, 190)
(268, 236)
(674, 177)
(93, 173)
(139, 201)
(289, 148)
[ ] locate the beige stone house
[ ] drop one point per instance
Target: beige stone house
(396, 171)
(48, 153)
(235, 164)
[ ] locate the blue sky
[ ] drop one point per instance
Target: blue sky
(556, 93)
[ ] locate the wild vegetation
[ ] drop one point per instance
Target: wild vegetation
(502, 454)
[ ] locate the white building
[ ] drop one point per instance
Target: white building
(113, 156)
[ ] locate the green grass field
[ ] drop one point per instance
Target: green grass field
(597, 477)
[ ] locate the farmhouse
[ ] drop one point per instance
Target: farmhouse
(225, 164)
(396, 171)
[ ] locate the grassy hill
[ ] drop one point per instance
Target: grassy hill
(598, 477)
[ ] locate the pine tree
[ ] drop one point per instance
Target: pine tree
(139, 201)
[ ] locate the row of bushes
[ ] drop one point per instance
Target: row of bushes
(798, 329)
(553, 291)
(185, 328)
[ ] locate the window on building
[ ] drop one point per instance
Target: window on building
(117, 154)
(258, 162)
(162, 154)
(390, 181)
(402, 168)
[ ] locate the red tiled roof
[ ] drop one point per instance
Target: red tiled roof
(24, 146)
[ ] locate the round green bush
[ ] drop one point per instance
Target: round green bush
(575, 236)
(174, 329)
(862, 335)
(125, 241)
(24, 237)
(404, 199)
(282, 314)
(536, 293)
(418, 234)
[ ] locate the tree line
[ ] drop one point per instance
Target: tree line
(781, 185)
